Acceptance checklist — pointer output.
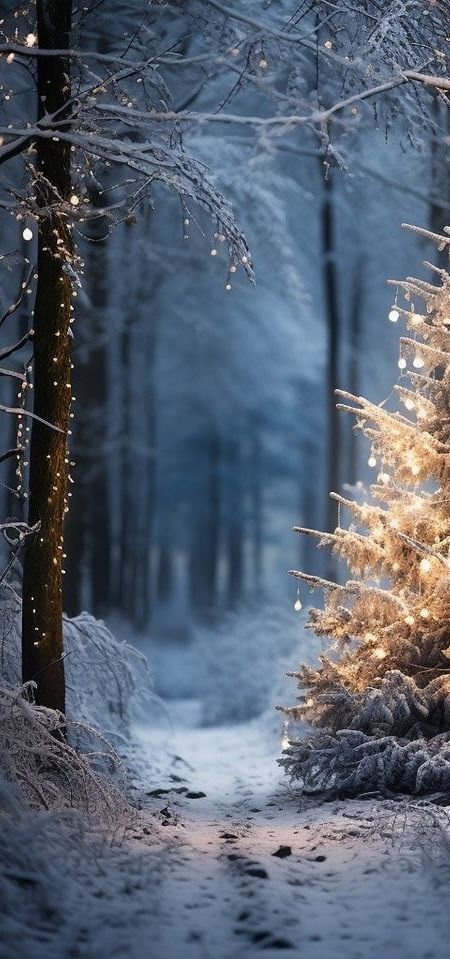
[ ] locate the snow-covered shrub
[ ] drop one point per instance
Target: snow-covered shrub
(36, 755)
(107, 680)
(67, 762)
(239, 660)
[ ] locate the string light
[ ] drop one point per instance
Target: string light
(27, 234)
(402, 363)
(418, 362)
(425, 565)
(298, 602)
(371, 461)
(393, 315)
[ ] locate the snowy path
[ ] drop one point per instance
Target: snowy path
(199, 876)
(361, 878)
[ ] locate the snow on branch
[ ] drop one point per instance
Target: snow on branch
(36, 756)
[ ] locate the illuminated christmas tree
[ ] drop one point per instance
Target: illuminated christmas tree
(379, 700)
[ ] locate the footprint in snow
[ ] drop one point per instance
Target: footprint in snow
(283, 852)
(266, 940)
(257, 871)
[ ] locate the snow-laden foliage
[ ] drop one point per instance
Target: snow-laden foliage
(37, 756)
(380, 742)
(121, 114)
(260, 638)
(381, 692)
(107, 680)
(68, 762)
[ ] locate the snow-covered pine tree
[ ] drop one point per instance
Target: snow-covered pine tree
(380, 697)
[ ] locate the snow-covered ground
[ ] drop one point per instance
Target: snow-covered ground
(224, 860)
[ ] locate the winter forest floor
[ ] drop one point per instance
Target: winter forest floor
(226, 861)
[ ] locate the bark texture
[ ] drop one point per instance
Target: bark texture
(42, 642)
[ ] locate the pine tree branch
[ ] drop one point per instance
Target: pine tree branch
(428, 234)
(316, 581)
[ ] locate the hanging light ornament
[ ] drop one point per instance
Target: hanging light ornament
(298, 602)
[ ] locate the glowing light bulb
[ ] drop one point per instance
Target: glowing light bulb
(30, 39)
(418, 362)
(402, 363)
(425, 565)
(384, 477)
(214, 252)
(393, 315)
(395, 566)
(425, 613)
(409, 404)
(285, 736)
(74, 199)
(27, 234)
(371, 461)
(298, 603)
(409, 620)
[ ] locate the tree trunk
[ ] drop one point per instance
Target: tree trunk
(99, 513)
(164, 586)
(42, 641)
(124, 579)
(256, 495)
(213, 521)
(148, 329)
(333, 326)
(355, 346)
(235, 556)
